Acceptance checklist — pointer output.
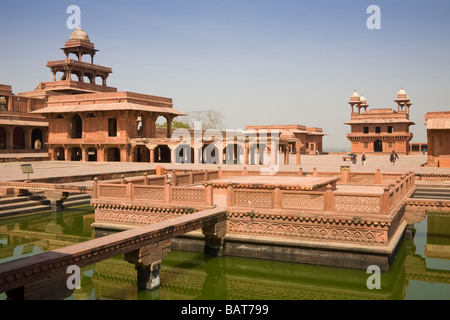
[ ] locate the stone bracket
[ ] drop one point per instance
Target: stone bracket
(214, 235)
(147, 261)
(56, 199)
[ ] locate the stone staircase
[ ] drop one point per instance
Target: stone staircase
(35, 202)
(432, 191)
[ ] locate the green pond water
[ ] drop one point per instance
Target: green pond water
(421, 269)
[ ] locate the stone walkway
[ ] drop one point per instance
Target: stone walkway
(46, 169)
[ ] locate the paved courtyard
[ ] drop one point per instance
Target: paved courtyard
(333, 162)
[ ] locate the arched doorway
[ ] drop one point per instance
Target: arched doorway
(59, 153)
(77, 127)
(18, 138)
(233, 153)
(162, 154)
(36, 139)
(378, 146)
(211, 154)
(142, 154)
(92, 154)
(184, 154)
(2, 138)
(75, 154)
(112, 154)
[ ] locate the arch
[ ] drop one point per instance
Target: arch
(3, 138)
(18, 138)
(36, 138)
(140, 126)
(162, 154)
(378, 146)
(184, 153)
(58, 154)
(233, 152)
(142, 154)
(77, 127)
(112, 154)
(75, 154)
(210, 154)
(91, 154)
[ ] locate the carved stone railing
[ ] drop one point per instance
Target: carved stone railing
(166, 193)
(44, 268)
(45, 186)
(383, 201)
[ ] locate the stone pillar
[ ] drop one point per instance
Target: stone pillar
(9, 137)
(169, 126)
(286, 155)
(214, 238)
(84, 154)
(66, 154)
(124, 152)
(147, 261)
(56, 199)
(173, 157)
(246, 153)
(297, 152)
(100, 154)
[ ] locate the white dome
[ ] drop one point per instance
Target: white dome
(79, 34)
(401, 91)
(355, 94)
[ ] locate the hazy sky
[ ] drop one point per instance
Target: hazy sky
(255, 61)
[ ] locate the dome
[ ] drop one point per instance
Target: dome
(362, 98)
(79, 34)
(355, 97)
(287, 135)
(402, 94)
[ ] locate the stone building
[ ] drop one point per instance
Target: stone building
(438, 135)
(20, 130)
(91, 121)
(380, 130)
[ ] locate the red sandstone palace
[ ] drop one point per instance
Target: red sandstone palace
(78, 117)
(380, 130)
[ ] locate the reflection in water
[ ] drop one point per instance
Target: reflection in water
(421, 269)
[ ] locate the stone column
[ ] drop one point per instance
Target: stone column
(169, 126)
(246, 153)
(27, 137)
(9, 137)
(147, 261)
(286, 155)
(66, 153)
(214, 238)
(56, 199)
(298, 147)
(152, 153)
(172, 154)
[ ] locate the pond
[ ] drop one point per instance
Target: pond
(421, 269)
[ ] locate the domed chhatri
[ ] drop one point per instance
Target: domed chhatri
(79, 34)
(401, 95)
(355, 96)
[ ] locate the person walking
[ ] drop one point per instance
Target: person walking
(363, 159)
(394, 157)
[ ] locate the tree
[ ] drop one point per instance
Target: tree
(210, 119)
(175, 125)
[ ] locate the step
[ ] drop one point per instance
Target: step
(36, 203)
